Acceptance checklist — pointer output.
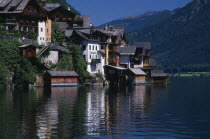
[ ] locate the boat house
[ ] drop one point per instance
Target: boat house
(61, 78)
(136, 76)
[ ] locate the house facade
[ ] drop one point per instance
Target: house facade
(24, 16)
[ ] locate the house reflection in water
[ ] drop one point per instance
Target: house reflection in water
(95, 110)
(109, 107)
(47, 117)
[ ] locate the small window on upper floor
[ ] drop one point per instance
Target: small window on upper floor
(41, 29)
(89, 47)
(93, 47)
(47, 30)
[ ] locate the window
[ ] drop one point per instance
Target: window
(40, 38)
(41, 29)
(93, 47)
(47, 30)
(90, 56)
(89, 47)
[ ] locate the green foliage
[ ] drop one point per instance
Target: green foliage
(100, 76)
(1, 27)
(79, 63)
(9, 53)
(23, 72)
(58, 36)
(4, 74)
(65, 63)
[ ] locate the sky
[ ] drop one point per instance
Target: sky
(103, 11)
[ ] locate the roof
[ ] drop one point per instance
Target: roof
(158, 73)
(137, 71)
(127, 50)
(115, 67)
(26, 45)
(17, 6)
(63, 73)
(59, 48)
(146, 45)
(51, 7)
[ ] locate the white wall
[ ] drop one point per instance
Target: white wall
(52, 58)
(41, 32)
(90, 53)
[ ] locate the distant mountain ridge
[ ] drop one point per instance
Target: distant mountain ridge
(131, 23)
(181, 41)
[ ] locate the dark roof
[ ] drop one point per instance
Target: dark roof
(63, 73)
(137, 71)
(81, 34)
(116, 34)
(127, 50)
(8, 4)
(59, 48)
(146, 45)
(51, 7)
(16, 6)
(158, 73)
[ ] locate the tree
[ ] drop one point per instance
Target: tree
(79, 63)
(24, 73)
(65, 63)
(4, 74)
(58, 36)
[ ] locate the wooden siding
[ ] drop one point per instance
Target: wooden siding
(64, 80)
(140, 78)
(29, 53)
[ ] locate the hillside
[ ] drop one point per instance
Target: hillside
(181, 42)
(132, 23)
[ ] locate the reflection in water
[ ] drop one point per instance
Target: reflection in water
(47, 117)
(138, 111)
(95, 110)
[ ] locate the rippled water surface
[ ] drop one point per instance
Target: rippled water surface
(179, 110)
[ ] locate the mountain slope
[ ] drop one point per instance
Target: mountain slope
(182, 41)
(131, 23)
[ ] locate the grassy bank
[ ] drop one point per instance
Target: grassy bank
(189, 74)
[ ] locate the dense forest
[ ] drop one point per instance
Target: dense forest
(181, 41)
(133, 23)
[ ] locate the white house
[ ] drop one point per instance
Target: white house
(41, 32)
(94, 57)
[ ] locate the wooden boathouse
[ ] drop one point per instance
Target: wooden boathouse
(136, 76)
(115, 75)
(60, 78)
(159, 77)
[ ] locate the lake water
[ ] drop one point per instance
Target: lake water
(179, 110)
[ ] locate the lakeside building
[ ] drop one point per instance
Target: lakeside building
(61, 78)
(99, 47)
(25, 16)
(57, 13)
